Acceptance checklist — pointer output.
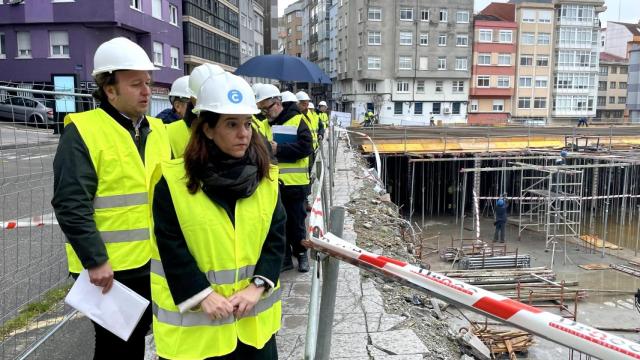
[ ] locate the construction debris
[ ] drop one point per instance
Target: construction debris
(502, 276)
(504, 341)
(472, 345)
(595, 241)
(627, 269)
(595, 266)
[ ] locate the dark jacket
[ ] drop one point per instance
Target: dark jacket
(501, 214)
(168, 116)
(300, 149)
(183, 275)
(75, 183)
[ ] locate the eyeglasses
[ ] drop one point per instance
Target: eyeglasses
(266, 109)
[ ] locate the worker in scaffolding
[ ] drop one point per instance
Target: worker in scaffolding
(501, 220)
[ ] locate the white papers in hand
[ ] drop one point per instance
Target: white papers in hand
(118, 311)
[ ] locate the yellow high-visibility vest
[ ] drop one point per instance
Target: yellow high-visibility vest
(122, 200)
(179, 135)
(227, 255)
(313, 121)
(295, 173)
(324, 117)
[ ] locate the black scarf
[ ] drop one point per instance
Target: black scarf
(229, 177)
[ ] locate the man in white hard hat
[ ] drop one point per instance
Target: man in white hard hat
(179, 98)
(309, 116)
(324, 119)
(102, 177)
(292, 152)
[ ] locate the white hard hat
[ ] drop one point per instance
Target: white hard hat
(288, 96)
(200, 74)
(120, 54)
(302, 96)
(256, 86)
(322, 103)
(180, 87)
(226, 94)
(266, 91)
(311, 106)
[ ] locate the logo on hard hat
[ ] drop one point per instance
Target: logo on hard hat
(234, 96)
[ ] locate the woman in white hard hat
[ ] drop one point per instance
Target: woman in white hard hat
(179, 98)
(219, 228)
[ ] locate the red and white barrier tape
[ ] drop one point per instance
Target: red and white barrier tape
(550, 326)
(36, 221)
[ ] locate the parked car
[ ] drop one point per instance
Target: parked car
(26, 111)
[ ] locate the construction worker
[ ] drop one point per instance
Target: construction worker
(179, 131)
(368, 119)
(324, 119)
(259, 119)
(179, 99)
(309, 116)
(293, 161)
(501, 220)
(102, 176)
(220, 235)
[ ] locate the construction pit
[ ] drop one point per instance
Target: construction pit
(569, 192)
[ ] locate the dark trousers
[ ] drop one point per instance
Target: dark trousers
(109, 346)
(499, 231)
(293, 200)
(247, 352)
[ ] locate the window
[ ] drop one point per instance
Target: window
(173, 16)
(442, 63)
(359, 39)
(424, 15)
(528, 16)
(612, 99)
(498, 105)
(462, 40)
(542, 60)
(175, 58)
(370, 86)
(424, 63)
(504, 59)
(484, 59)
(406, 38)
(442, 40)
(622, 85)
(439, 87)
(526, 60)
(604, 70)
(461, 63)
(397, 108)
(420, 86)
(406, 14)
(402, 86)
(622, 99)
(506, 36)
(374, 38)
(424, 39)
(136, 4)
(602, 85)
(359, 15)
(527, 38)
(474, 105)
(455, 108)
(359, 65)
(539, 102)
(614, 69)
(24, 44)
(3, 51)
(525, 81)
(462, 17)
(405, 63)
(436, 108)
(156, 9)
(59, 41)
(602, 100)
(544, 38)
(504, 81)
(483, 81)
(542, 81)
(544, 16)
(157, 53)
(612, 85)
(374, 63)
(444, 15)
(624, 70)
(457, 86)
(417, 108)
(374, 14)
(486, 35)
(524, 103)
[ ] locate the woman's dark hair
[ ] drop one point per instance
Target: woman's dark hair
(102, 80)
(197, 154)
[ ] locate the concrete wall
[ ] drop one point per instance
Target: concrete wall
(616, 38)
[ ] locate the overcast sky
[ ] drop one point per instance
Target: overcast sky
(629, 10)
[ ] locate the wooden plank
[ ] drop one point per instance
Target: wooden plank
(595, 266)
(594, 240)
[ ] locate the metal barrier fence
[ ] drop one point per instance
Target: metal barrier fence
(33, 268)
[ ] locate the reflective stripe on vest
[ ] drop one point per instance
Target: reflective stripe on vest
(228, 263)
(121, 202)
(179, 135)
(295, 173)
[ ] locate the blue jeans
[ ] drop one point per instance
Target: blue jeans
(499, 231)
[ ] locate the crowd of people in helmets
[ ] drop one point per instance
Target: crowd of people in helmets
(198, 210)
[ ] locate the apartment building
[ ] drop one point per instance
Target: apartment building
(494, 59)
(618, 35)
(534, 63)
(612, 88)
(404, 60)
(319, 43)
(291, 32)
(251, 29)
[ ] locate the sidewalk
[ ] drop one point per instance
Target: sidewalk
(19, 136)
(362, 329)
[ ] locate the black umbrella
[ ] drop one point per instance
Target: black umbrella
(283, 67)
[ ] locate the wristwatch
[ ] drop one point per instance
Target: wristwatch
(259, 282)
